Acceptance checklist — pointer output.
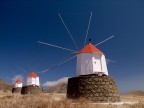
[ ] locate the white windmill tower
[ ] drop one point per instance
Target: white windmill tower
(33, 79)
(18, 83)
(90, 60)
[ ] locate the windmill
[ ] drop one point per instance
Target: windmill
(18, 86)
(90, 60)
(33, 79)
(92, 80)
(18, 83)
(32, 83)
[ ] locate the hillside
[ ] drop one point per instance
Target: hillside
(134, 93)
(60, 88)
(4, 86)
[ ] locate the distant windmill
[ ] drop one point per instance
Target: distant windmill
(90, 60)
(18, 83)
(33, 79)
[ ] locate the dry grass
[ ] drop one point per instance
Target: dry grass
(52, 101)
(132, 98)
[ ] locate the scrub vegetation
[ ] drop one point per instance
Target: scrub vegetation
(46, 100)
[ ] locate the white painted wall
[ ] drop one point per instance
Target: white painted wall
(37, 81)
(91, 63)
(104, 65)
(18, 85)
(33, 81)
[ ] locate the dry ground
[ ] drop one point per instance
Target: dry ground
(132, 99)
(58, 101)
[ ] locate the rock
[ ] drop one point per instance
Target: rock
(93, 87)
(31, 90)
(16, 90)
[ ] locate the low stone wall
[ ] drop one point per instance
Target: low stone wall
(31, 90)
(93, 87)
(16, 90)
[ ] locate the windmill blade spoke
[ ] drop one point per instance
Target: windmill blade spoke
(110, 60)
(59, 61)
(104, 40)
(68, 31)
(88, 29)
(20, 68)
(56, 46)
(58, 64)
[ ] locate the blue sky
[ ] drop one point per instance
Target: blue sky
(23, 23)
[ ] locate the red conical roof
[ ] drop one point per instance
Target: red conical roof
(90, 48)
(18, 81)
(32, 74)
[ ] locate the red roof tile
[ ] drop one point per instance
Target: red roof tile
(32, 74)
(18, 81)
(90, 48)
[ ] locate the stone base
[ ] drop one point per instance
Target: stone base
(16, 90)
(31, 90)
(93, 87)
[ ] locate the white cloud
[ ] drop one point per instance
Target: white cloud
(53, 83)
(16, 77)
